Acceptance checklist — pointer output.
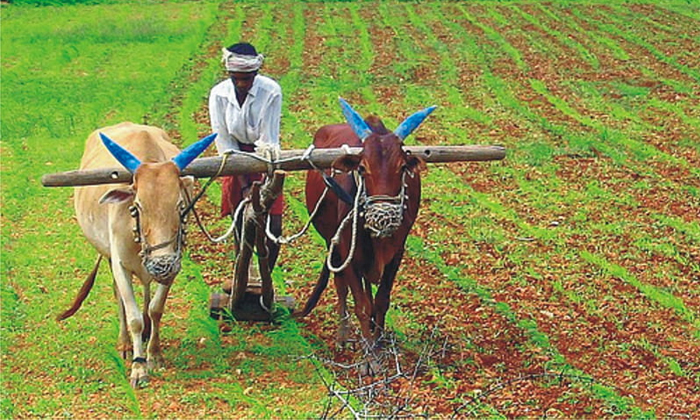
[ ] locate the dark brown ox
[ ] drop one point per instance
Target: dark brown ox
(366, 250)
(139, 228)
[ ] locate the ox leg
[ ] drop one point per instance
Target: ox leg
(370, 301)
(363, 305)
(134, 321)
(124, 346)
(146, 334)
(341, 287)
(155, 310)
(383, 297)
(363, 311)
(342, 307)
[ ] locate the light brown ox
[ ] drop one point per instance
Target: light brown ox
(139, 228)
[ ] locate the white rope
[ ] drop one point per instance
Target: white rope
(269, 161)
(231, 228)
(354, 213)
(289, 239)
(265, 308)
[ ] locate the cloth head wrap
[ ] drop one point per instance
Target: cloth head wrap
(241, 63)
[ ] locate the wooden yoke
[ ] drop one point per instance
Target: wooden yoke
(254, 221)
(290, 160)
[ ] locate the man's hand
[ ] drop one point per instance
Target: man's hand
(267, 150)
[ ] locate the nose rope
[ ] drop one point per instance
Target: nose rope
(382, 218)
(146, 248)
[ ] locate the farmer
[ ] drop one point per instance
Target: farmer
(244, 110)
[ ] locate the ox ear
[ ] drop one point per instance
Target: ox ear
(117, 195)
(359, 126)
(190, 153)
(347, 163)
(129, 161)
(415, 164)
(412, 122)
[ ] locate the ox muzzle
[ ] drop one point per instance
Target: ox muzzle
(384, 214)
(383, 218)
(163, 268)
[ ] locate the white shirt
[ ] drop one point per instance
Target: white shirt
(258, 119)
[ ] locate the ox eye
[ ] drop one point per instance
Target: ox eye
(361, 169)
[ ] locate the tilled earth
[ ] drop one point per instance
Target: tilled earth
(519, 295)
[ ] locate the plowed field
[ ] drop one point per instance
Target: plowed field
(561, 282)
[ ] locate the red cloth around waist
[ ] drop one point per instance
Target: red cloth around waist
(231, 194)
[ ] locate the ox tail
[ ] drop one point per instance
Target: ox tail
(82, 294)
(316, 294)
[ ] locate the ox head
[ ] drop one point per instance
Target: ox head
(159, 197)
(384, 167)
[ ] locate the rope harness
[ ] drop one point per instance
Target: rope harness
(272, 163)
(146, 249)
(162, 267)
(382, 214)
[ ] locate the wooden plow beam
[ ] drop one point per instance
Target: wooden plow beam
(252, 302)
(289, 160)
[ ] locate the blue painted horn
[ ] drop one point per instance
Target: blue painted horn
(412, 122)
(191, 152)
(129, 161)
(359, 126)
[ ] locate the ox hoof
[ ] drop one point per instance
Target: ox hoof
(341, 343)
(137, 383)
(139, 374)
(139, 380)
(342, 337)
(227, 286)
(126, 349)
